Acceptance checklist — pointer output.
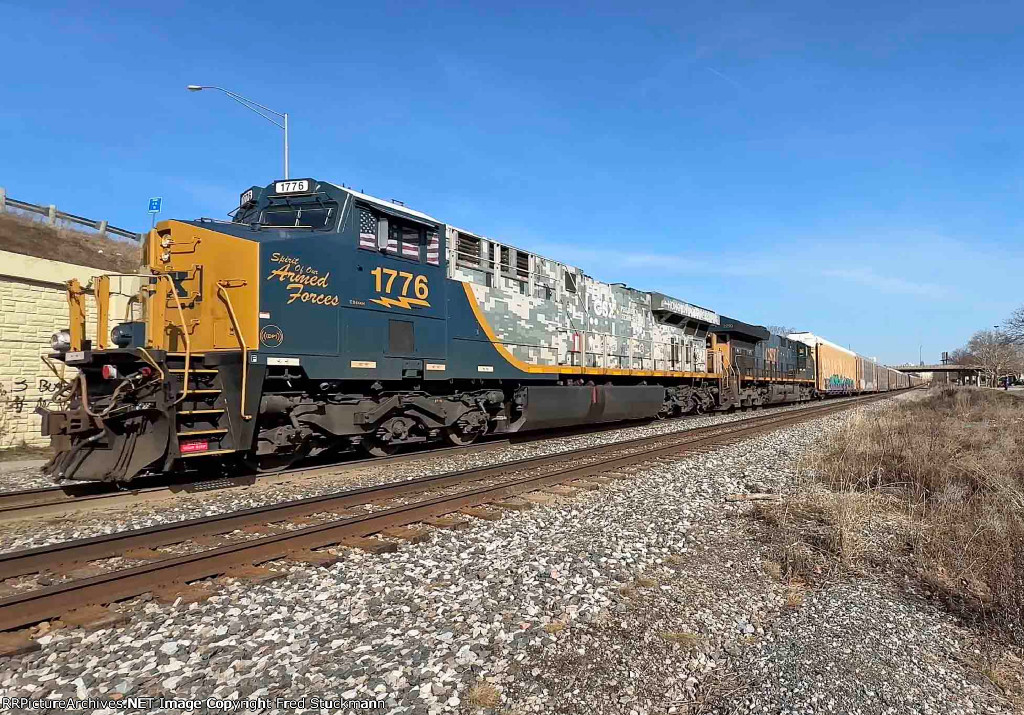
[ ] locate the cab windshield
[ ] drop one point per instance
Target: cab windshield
(315, 215)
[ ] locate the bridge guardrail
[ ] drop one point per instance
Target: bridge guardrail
(53, 216)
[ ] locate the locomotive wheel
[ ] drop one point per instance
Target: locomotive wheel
(460, 438)
(378, 448)
(274, 461)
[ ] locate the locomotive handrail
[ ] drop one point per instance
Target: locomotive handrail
(222, 287)
(184, 335)
(101, 293)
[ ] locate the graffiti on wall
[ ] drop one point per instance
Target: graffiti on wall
(19, 398)
(838, 383)
(14, 396)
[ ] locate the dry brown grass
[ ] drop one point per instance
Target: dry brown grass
(35, 238)
(22, 451)
(554, 627)
(484, 695)
(773, 569)
(646, 582)
(794, 597)
(688, 641)
(935, 486)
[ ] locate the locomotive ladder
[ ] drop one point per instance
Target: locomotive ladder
(203, 422)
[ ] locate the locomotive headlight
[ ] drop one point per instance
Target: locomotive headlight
(120, 336)
(61, 340)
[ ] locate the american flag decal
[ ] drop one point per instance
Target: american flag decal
(433, 247)
(411, 249)
(367, 229)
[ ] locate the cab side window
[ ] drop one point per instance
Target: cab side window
(405, 237)
(411, 241)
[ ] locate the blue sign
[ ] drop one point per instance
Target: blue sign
(154, 205)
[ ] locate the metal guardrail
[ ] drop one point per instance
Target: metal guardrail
(53, 216)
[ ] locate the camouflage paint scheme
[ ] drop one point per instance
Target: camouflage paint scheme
(599, 326)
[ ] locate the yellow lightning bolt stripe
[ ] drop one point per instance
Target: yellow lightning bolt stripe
(403, 302)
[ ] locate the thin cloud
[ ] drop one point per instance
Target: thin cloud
(609, 264)
(727, 78)
(886, 284)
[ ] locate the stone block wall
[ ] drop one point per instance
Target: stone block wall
(33, 306)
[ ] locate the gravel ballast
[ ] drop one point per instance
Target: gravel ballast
(182, 505)
(649, 595)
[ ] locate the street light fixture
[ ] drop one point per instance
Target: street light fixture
(255, 107)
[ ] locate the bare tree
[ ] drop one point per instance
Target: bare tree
(1013, 326)
(996, 354)
(962, 356)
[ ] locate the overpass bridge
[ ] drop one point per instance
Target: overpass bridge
(944, 374)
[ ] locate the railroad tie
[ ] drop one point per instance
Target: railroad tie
(561, 490)
(451, 523)
(599, 481)
(585, 485)
(93, 618)
(17, 643)
(260, 530)
(406, 533)
(187, 593)
(373, 546)
(514, 505)
(540, 498)
(254, 574)
(479, 512)
(145, 554)
(212, 541)
(84, 572)
(313, 558)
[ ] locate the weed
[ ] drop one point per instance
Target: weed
(934, 486)
(484, 695)
(688, 641)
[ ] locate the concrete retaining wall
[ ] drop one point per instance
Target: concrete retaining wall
(33, 306)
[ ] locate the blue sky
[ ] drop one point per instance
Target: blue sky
(851, 170)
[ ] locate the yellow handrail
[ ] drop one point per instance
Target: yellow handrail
(184, 335)
(76, 314)
(222, 287)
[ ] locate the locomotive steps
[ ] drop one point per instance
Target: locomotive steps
(172, 557)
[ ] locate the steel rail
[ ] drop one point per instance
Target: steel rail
(70, 553)
(57, 500)
(47, 501)
(41, 604)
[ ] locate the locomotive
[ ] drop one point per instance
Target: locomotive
(322, 319)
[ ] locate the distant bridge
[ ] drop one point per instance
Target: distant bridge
(962, 374)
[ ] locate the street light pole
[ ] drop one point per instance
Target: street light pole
(255, 107)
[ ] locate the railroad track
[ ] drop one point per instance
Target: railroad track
(238, 543)
(88, 496)
(33, 503)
